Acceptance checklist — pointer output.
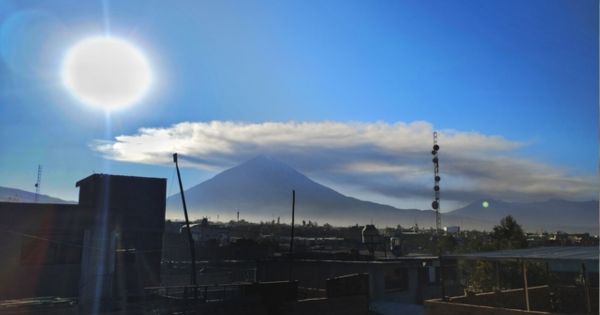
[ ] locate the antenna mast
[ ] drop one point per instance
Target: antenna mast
(436, 184)
(38, 183)
(189, 230)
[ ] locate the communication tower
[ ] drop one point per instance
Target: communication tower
(38, 183)
(436, 184)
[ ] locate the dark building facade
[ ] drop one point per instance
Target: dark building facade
(114, 235)
(404, 280)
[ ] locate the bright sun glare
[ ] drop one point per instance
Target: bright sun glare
(106, 72)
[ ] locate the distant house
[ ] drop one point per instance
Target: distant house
(204, 231)
(452, 229)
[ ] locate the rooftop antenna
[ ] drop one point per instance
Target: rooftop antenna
(38, 183)
(189, 231)
(436, 184)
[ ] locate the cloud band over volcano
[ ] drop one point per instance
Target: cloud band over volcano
(389, 160)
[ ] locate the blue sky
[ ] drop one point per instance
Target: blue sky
(524, 71)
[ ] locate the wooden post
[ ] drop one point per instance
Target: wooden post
(586, 287)
(292, 236)
(442, 281)
(525, 286)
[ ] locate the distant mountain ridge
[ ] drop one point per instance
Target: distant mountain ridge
(260, 189)
(549, 215)
(8, 194)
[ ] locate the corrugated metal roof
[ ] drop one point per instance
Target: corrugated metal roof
(580, 253)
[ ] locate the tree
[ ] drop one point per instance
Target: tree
(482, 274)
(509, 234)
(446, 244)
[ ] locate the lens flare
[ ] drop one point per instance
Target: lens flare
(106, 72)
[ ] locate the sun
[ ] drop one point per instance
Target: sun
(106, 72)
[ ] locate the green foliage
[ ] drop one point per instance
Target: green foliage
(447, 244)
(475, 241)
(509, 234)
(480, 275)
(485, 276)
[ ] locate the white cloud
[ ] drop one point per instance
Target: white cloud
(393, 160)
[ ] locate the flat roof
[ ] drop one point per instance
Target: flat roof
(572, 253)
(412, 259)
(116, 177)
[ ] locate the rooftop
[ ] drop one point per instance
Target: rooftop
(565, 253)
(101, 176)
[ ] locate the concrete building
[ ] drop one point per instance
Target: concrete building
(109, 244)
(452, 229)
(205, 231)
(409, 280)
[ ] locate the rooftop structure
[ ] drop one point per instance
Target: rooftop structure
(404, 280)
(563, 253)
(112, 238)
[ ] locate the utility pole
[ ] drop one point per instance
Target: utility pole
(38, 183)
(436, 184)
(189, 231)
(292, 237)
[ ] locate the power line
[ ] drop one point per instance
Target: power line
(80, 245)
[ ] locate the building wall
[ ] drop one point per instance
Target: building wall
(134, 208)
(352, 305)
(393, 280)
(437, 307)
(513, 298)
(41, 245)
(572, 298)
(513, 302)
